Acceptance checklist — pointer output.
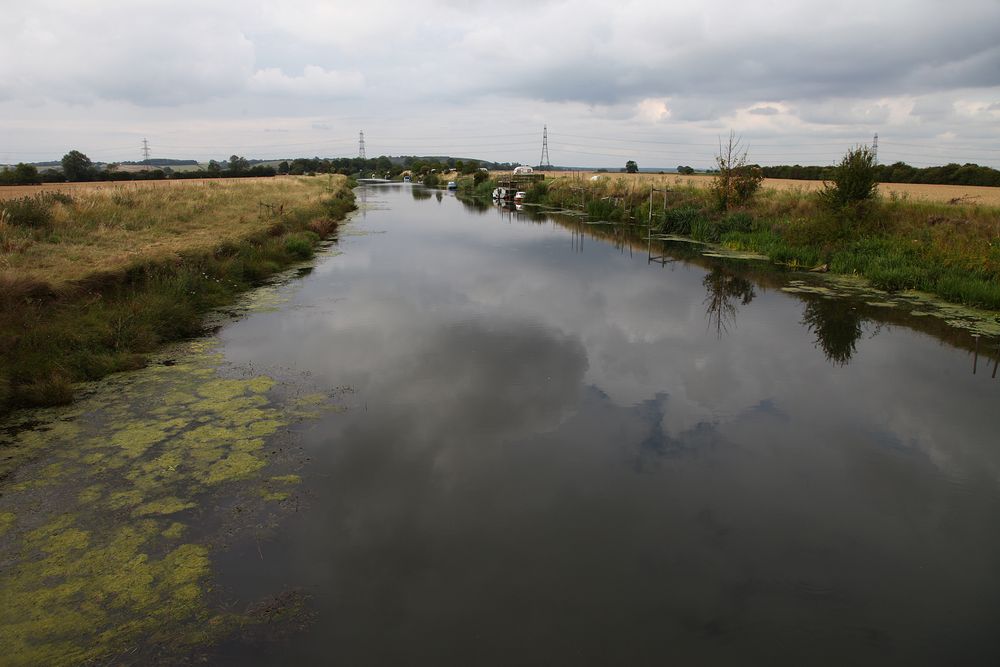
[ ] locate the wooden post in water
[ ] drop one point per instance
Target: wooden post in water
(975, 358)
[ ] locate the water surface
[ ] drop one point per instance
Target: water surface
(559, 452)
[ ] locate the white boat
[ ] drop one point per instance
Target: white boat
(406, 179)
(519, 197)
(452, 185)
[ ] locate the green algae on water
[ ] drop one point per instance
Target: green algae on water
(96, 516)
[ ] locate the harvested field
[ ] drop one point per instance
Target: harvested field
(964, 194)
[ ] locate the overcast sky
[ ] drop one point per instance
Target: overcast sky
(650, 80)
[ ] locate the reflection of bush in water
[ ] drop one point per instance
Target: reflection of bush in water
(420, 193)
(837, 325)
(724, 290)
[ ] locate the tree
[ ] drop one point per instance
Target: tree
(283, 167)
(631, 167)
(22, 174)
(238, 164)
(855, 179)
(77, 166)
(736, 181)
(214, 167)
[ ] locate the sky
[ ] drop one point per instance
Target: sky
(654, 81)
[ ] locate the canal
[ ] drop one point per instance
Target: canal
(513, 439)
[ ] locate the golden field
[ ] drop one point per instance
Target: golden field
(14, 191)
(110, 226)
(967, 194)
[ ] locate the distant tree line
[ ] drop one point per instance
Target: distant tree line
(76, 166)
(898, 172)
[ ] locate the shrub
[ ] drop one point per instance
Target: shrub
(736, 182)
(855, 179)
(299, 246)
(35, 212)
(537, 192)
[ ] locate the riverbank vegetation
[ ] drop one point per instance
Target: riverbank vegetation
(92, 281)
(895, 242)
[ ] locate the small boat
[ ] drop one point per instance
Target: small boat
(452, 185)
(519, 197)
(406, 179)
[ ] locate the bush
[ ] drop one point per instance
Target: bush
(34, 212)
(300, 246)
(736, 182)
(537, 192)
(855, 179)
(431, 180)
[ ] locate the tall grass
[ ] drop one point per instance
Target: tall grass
(950, 250)
(59, 331)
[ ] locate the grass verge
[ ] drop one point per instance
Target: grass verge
(951, 250)
(91, 283)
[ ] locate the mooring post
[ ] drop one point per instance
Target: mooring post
(996, 362)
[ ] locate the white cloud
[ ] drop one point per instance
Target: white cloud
(314, 82)
(163, 54)
(653, 110)
(678, 72)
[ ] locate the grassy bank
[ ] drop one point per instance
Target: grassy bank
(951, 250)
(92, 281)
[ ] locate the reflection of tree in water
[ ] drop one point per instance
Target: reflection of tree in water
(724, 290)
(420, 193)
(837, 325)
